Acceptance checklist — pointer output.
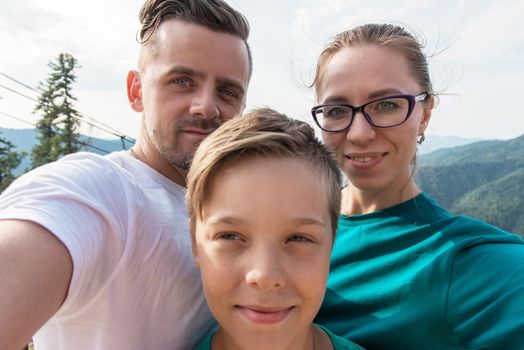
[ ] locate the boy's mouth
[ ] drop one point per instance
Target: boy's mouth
(264, 314)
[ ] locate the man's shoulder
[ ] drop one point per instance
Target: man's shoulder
(82, 166)
(81, 172)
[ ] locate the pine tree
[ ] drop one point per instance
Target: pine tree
(9, 160)
(57, 128)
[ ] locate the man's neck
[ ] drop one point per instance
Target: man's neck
(157, 162)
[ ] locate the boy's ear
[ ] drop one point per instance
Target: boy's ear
(134, 91)
(195, 254)
(193, 243)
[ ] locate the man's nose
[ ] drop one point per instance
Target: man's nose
(204, 104)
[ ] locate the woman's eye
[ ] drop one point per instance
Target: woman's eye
(336, 112)
(385, 106)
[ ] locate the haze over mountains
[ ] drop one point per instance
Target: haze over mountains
(482, 179)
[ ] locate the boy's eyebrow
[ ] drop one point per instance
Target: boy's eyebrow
(308, 221)
(233, 220)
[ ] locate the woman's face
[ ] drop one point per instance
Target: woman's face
(375, 160)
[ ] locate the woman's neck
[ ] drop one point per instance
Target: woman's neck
(356, 201)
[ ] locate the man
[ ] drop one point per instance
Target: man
(95, 251)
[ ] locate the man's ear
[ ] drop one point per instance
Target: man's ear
(134, 91)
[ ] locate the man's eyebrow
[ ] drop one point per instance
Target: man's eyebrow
(186, 71)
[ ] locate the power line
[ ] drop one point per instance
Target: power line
(18, 93)
(33, 125)
(112, 130)
(19, 82)
(16, 118)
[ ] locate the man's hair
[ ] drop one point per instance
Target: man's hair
(215, 15)
(261, 133)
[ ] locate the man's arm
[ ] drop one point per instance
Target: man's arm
(35, 271)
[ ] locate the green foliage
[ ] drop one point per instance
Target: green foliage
(500, 202)
(9, 160)
(484, 180)
(57, 128)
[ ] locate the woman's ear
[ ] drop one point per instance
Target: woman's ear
(427, 109)
(134, 91)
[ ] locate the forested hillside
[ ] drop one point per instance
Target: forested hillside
(484, 180)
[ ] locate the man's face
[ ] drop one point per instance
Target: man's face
(191, 81)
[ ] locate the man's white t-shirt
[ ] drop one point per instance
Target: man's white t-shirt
(134, 284)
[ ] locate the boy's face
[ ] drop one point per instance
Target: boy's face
(263, 247)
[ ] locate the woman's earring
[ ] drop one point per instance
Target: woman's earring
(421, 139)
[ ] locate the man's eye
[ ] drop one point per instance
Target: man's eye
(182, 82)
(230, 94)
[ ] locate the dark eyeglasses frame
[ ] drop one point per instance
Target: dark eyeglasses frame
(412, 100)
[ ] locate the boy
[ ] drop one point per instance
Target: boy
(263, 199)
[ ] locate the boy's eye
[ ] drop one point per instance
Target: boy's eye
(229, 236)
(299, 238)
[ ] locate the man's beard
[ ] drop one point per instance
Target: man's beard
(174, 156)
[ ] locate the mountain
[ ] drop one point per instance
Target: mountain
(484, 180)
(434, 142)
(498, 202)
(25, 139)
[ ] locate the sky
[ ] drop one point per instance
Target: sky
(475, 51)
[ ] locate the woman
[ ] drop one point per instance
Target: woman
(405, 273)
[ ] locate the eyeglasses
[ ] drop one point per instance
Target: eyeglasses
(384, 112)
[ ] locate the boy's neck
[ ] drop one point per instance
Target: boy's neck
(314, 339)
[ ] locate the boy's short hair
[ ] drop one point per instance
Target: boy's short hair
(261, 133)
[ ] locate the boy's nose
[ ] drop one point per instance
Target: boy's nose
(266, 273)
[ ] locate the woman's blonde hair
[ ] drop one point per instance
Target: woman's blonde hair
(382, 35)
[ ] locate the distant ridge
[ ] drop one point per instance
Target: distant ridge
(434, 142)
(484, 180)
(25, 139)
